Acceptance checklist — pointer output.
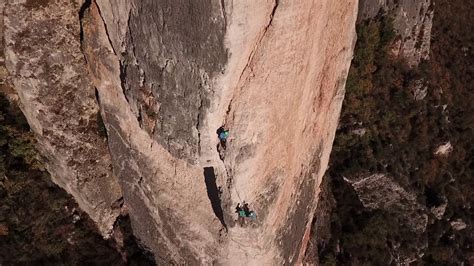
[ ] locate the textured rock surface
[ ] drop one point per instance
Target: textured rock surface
(412, 21)
(167, 75)
(47, 69)
(444, 149)
(378, 191)
(283, 112)
(3, 70)
(458, 225)
(166, 197)
(274, 77)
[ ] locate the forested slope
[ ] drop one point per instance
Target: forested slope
(414, 126)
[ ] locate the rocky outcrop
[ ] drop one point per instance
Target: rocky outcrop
(412, 21)
(47, 70)
(378, 191)
(444, 149)
(458, 225)
(167, 75)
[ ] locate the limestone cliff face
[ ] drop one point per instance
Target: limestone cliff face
(413, 21)
(378, 191)
(167, 75)
(47, 70)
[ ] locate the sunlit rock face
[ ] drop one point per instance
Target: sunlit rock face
(48, 72)
(165, 75)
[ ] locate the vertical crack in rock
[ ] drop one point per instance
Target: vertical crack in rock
(100, 120)
(122, 77)
(259, 41)
(199, 118)
(87, 4)
(122, 67)
(82, 10)
(213, 192)
(254, 50)
(105, 27)
(224, 15)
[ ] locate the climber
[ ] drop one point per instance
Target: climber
(248, 212)
(246, 209)
(243, 211)
(238, 208)
(223, 135)
(241, 214)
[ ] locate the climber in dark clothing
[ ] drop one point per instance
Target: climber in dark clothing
(246, 209)
(238, 208)
(222, 134)
(220, 130)
(243, 212)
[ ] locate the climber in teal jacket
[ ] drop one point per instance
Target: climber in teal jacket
(223, 135)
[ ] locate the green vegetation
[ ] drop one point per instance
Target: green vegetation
(400, 137)
(379, 100)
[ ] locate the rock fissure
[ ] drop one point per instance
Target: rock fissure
(100, 119)
(105, 27)
(260, 39)
(224, 15)
(85, 6)
(198, 123)
(252, 53)
(123, 79)
(132, 44)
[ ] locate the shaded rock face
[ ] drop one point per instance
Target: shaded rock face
(413, 21)
(172, 51)
(47, 70)
(167, 75)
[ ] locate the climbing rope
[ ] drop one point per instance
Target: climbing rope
(237, 192)
(228, 176)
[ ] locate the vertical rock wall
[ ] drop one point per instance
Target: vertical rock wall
(172, 51)
(274, 77)
(283, 111)
(167, 75)
(165, 195)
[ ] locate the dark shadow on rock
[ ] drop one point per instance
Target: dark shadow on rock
(213, 192)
